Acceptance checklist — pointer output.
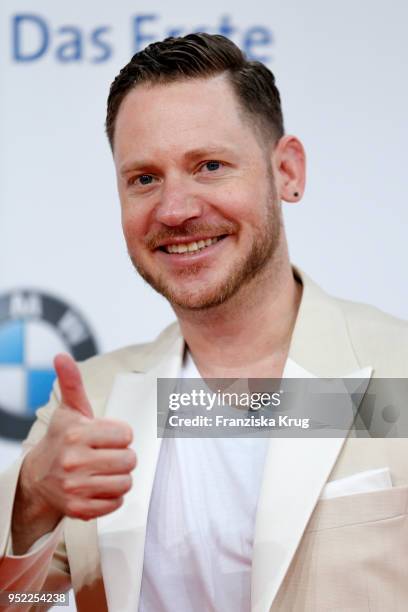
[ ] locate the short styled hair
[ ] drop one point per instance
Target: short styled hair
(196, 56)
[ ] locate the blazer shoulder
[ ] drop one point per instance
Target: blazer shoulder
(132, 358)
(378, 338)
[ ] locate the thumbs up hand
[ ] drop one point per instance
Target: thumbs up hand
(80, 468)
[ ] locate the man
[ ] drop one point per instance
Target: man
(202, 166)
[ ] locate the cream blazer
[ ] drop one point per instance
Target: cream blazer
(344, 554)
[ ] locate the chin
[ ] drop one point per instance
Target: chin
(190, 299)
(187, 291)
(196, 302)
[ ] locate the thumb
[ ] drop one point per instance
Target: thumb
(72, 388)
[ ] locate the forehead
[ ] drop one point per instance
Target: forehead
(181, 114)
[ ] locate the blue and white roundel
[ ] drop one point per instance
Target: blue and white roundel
(34, 327)
(27, 349)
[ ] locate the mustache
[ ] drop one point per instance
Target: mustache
(189, 229)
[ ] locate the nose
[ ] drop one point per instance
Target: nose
(177, 203)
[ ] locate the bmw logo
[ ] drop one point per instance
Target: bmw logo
(34, 327)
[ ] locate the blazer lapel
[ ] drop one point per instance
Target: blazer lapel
(121, 535)
(297, 469)
(320, 341)
(295, 472)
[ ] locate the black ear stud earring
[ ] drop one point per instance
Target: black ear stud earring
(296, 194)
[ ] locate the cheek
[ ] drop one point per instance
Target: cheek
(133, 225)
(243, 205)
(232, 202)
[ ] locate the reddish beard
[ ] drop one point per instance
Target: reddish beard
(264, 246)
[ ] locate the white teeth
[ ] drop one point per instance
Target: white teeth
(191, 246)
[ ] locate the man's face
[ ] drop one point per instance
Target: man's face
(199, 209)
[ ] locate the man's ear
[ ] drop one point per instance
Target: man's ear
(289, 165)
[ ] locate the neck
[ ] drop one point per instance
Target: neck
(248, 336)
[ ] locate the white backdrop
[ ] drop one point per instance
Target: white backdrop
(341, 70)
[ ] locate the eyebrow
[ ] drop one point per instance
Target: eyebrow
(192, 155)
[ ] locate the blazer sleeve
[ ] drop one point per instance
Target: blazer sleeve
(45, 567)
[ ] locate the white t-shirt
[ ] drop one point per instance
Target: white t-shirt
(200, 526)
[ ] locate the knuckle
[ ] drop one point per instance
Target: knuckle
(66, 462)
(69, 462)
(72, 436)
(68, 486)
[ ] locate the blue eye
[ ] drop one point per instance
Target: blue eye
(145, 179)
(212, 165)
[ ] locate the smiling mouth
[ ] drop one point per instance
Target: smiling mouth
(190, 247)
